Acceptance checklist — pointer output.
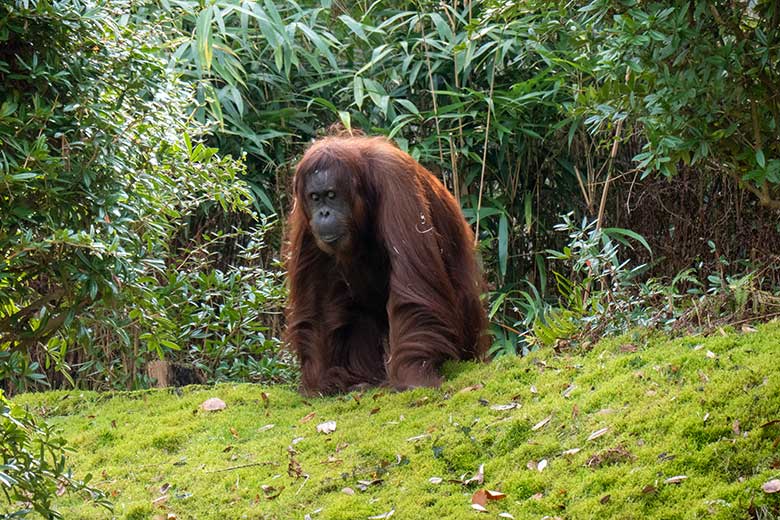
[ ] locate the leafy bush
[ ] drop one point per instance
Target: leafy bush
(101, 174)
(222, 317)
(599, 295)
(33, 467)
(596, 295)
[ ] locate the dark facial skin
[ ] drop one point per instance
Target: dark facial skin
(329, 207)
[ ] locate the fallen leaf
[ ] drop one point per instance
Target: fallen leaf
(537, 496)
(327, 427)
(479, 476)
(478, 386)
(710, 354)
(365, 484)
(308, 417)
(419, 402)
(598, 433)
(479, 497)
(213, 405)
(296, 440)
(271, 492)
(773, 486)
(628, 347)
(266, 401)
(164, 488)
(748, 328)
(435, 480)
(418, 437)
(572, 451)
(533, 389)
(506, 515)
(294, 468)
(542, 464)
(478, 507)
(675, 480)
(383, 515)
(160, 500)
(373, 411)
(604, 499)
(265, 428)
(542, 423)
(735, 427)
(234, 432)
(495, 495)
(614, 455)
(348, 491)
(532, 465)
(568, 390)
(706, 416)
(504, 407)
(649, 489)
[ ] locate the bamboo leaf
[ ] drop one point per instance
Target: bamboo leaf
(355, 26)
(359, 91)
(619, 234)
(503, 243)
(203, 38)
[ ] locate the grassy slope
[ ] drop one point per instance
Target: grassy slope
(654, 402)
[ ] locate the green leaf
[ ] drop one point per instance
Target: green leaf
(760, 160)
(408, 105)
(170, 344)
(355, 26)
(619, 234)
(359, 92)
(203, 37)
(496, 304)
(345, 120)
(528, 212)
(503, 243)
(24, 176)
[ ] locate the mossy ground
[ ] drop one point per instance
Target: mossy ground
(698, 407)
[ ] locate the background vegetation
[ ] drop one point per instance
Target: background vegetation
(620, 161)
(129, 232)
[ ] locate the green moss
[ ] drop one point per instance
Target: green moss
(699, 407)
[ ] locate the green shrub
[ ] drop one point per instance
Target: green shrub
(33, 466)
(101, 172)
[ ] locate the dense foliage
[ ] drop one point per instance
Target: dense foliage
(32, 466)
(120, 232)
(101, 173)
